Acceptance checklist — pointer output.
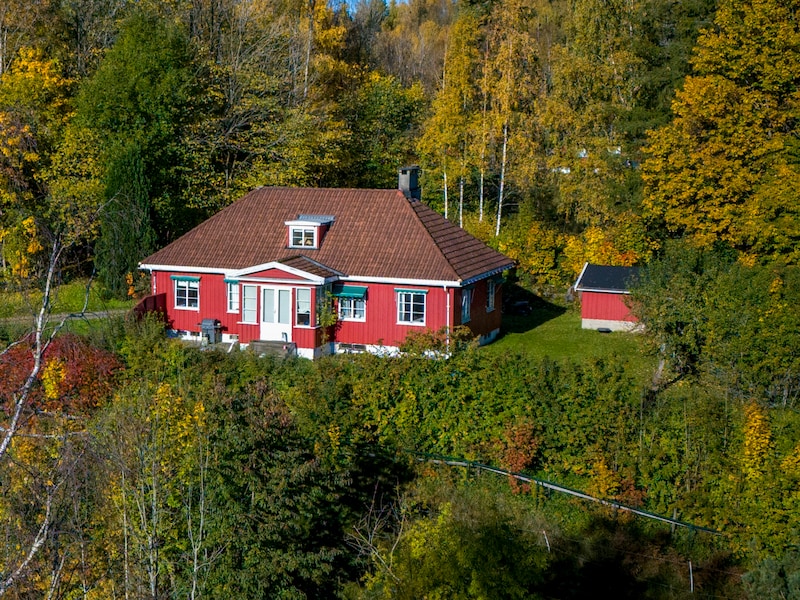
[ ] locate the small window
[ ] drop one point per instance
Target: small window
(233, 296)
(303, 237)
(466, 305)
(249, 304)
(411, 307)
(187, 294)
(491, 288)
(303, 306)
(352, 309)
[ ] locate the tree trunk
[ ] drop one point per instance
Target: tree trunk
(502, 179)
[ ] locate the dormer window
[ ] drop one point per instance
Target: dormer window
(308, 231)
(303, 237)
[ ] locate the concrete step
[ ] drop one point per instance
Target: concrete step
(273, 347)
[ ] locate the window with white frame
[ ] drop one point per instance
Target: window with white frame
(411, 307)
(466, 305)
(491, 289)
(352, 309)
(249, 304)
(233, 296)
(187, 293)
(303, 237)
(303, 306)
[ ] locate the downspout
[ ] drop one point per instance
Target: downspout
(447, 318)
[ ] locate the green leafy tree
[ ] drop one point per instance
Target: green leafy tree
(725, 167)
(445, 145)
(470, 544)
(279, 506)
(383, 118)
(145, 93)
(670, 302)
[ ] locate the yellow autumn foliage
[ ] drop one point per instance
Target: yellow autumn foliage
(605, 482)
(53, 375)
(757, 441)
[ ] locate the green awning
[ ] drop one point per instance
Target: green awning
(183, 278)
(350, 291)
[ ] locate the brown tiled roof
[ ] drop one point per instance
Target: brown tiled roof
(376, 233)
(309, 266)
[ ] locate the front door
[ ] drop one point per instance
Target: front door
(276, 314)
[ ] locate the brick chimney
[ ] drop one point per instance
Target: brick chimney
(408, 182)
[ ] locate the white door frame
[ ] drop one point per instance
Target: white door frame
(276, 313)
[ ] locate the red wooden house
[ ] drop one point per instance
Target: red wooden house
(602, 291)
(263, 268)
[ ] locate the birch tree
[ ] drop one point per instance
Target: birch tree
(445, 144)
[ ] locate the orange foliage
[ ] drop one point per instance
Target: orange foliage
(519, 446)
(76, 377)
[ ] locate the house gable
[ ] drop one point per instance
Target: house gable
(283, 271)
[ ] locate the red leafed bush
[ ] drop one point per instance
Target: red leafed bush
(519, 447)
(75, 377)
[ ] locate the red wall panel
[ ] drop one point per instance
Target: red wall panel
(381, 325)
(598, 305)
(443, 307)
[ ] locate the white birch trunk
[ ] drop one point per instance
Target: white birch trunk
(502, 179)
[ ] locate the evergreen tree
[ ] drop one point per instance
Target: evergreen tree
(125, 231)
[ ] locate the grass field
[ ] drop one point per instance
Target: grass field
(554, 331)
(68, 298)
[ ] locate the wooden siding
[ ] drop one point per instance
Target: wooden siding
(381, 327)
(610, 307)
(482, 322)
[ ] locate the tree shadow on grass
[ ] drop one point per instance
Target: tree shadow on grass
(523, 310)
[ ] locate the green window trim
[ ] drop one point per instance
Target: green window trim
(183, 278)
(409, 291)
(226, 280)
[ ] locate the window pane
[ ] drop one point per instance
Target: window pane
(358, 308)
(187, 294)
(303, 299)
(352, 308)
(411, 307)
(233, 297)
(249, 303)
(302, 237)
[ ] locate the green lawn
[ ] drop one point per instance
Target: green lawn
(68, 298)
(554, 331)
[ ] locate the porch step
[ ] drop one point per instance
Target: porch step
(273, 347)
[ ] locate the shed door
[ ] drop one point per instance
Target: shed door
(276, 314)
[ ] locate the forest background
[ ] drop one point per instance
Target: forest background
(619, 132)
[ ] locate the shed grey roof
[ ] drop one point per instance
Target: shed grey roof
(603, 278)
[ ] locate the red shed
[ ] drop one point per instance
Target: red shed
(262, 268)
(602, 290)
